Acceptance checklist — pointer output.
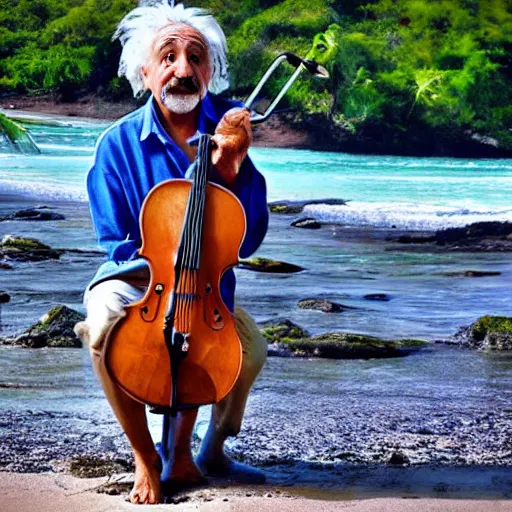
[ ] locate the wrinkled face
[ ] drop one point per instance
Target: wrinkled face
(179, 70)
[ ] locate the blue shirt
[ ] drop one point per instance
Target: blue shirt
(134, 155)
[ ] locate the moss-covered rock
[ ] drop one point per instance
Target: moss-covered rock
(487, 333)
(54, 329)
(26, 249)
(285, 208)
(275, 331)
(287, 339)
(491, 333)
(351, 346)
(489, 324)
(270, 266)
(321, 305)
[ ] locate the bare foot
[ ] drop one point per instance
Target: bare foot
(184, 470)
(146, 489)
(223, 467)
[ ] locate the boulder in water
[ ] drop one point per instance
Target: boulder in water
(322, 305)
(306, 223)
(270, 266)
(39, 213)
(493, 333)
(26, 249)
(54, 329)
(346, 346)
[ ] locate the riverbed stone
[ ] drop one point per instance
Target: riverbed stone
(54, 329)
(479, 236)
(377, 296)
(481, 273)
(492, 333)
(276, 330)
(338, 345)
(294, 207)
(321, 305)
(40, 213)
(398, 459)
(270, 266)
(306, 223)
(18, 248)
(4, 297)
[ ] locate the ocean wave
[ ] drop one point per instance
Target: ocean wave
(36, 190)
(61, 147)
(421, 217)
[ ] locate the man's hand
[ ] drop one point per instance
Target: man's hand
(232, 138)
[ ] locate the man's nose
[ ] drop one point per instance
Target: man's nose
(182, 68)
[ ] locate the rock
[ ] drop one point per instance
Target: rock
(306, 223)
(39, 213)
(277, 330)
(349, 346)
(4, 297)
(479, 236)
(408, 239)
(497, 341)
(321, 305)
(285, 208)
(377, 296)
(493, 333)
(297, 206)
(6, 266)
(480, 273)
(26, 249)
(54, 329)
(398, 459)
(270, 266)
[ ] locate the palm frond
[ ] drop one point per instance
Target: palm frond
(16, 136)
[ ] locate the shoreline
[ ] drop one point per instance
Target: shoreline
(274, 133)
(58, 492)
(283, 130)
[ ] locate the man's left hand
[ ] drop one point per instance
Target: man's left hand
(232, 138)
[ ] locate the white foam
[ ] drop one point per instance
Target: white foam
(412, 216)
(37, 190)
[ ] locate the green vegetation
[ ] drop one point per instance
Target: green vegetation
(435, 65)
(16, 136)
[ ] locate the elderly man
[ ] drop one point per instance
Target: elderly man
(180, 56)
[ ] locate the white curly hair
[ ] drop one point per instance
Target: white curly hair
(137, 30)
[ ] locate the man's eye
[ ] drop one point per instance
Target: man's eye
(195, 58)
(170, 58)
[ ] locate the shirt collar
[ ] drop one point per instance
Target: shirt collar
(208, 119)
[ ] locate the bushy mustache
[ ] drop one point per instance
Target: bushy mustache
(186, 85)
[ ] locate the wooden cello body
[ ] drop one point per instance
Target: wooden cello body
(139, 350)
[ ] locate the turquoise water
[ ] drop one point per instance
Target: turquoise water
(383, 191)
(429, 295)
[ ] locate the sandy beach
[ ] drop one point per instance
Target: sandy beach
(62, 493)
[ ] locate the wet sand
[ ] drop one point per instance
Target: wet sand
(56, 493)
